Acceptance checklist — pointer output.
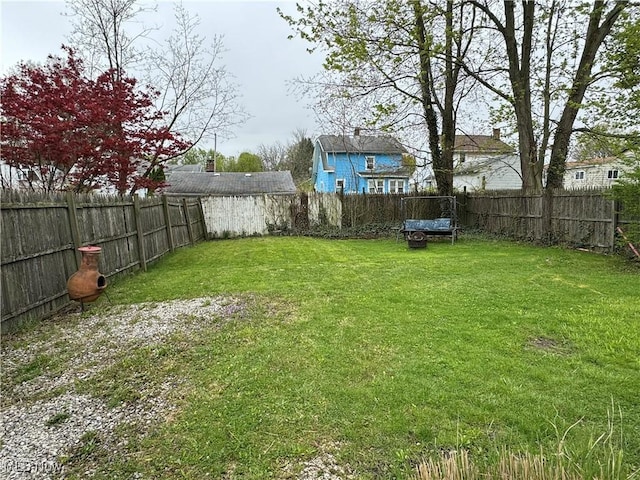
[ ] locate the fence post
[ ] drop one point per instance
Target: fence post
(142, 254)
(615, 218)
(188, 219)
(547, 236)
(167, 222)
(203, 221)
(73, 225)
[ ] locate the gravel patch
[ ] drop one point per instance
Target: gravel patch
(97, 341)
(324, 466)
(44, 419)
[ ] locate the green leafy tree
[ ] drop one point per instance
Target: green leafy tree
(409, 162)
(226, 164)
(200, 156)
(299, 157)
(246, 162)
(599, 142)
(627, 191)
(392, 65)
(622, 110)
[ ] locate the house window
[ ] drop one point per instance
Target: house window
(370, 162)
(339, 184)
(612, 174)
(396, 186)
(579, 175)
(463, 157)
(376, 186)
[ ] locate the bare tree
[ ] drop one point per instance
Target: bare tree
(550, 63)
(272, 156)
(296, 156)
(195, 88)
(106, 31)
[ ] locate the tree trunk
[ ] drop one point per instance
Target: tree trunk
(530, 164)
(443, 172)
(448, 116)
(595, 36)
(519, 75)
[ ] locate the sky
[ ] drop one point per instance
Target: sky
(258, 54)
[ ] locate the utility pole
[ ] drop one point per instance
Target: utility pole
(215, 150)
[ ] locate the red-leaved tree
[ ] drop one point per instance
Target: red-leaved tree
(65, 131)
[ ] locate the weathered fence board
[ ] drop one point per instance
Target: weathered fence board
(577, 218)
(41, 234)
(324, 209)
(366, 209)
(234, 216)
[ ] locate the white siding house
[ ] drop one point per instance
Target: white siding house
(484, 162)
(598, 172)
(11, 177)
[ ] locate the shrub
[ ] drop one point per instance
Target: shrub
(627, 192)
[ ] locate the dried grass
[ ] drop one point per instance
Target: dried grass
(600, 459)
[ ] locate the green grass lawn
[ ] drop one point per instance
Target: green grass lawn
(388, 355)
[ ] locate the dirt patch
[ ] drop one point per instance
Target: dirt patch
(548, 344)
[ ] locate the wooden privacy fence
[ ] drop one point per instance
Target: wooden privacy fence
(359, 210)
(41, 234)
(242, 215)
(581, 218)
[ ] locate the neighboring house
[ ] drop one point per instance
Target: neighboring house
(181, 183)
(359, 164)
(598, 172)
(18, 179)
(11, 177)
(484, 162)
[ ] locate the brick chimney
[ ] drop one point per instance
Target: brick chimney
(496, 134)
(210, 166)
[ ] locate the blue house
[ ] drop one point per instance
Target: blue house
(359, 164)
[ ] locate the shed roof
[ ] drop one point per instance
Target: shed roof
(229, 183)
(361, 144)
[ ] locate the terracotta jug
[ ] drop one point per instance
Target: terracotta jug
(87, 283)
